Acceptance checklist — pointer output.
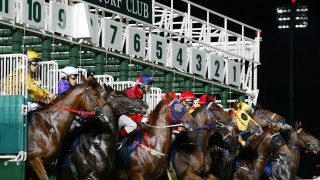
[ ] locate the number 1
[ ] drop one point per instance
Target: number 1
(6, 6)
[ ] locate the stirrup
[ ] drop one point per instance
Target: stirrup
(118, 145)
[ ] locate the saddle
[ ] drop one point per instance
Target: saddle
(126, 147)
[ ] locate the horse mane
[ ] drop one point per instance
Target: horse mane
(155, 113)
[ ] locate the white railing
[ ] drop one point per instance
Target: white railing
(104, 79)
(47, 76)
(153, 98)
(13, 74)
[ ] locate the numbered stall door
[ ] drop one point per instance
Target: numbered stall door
(13, 133)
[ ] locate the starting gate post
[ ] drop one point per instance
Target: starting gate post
(124, 70)
(46, 49)
(16, 41)
(224, 98)
(99, 64)
(168, 82)
(74, 56)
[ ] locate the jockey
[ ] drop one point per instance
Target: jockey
(68, 79)
(205, 98)
(187, 98)
(35, 91)
(127, 122)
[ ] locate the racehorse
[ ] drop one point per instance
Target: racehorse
(48, 127)
(190, 153)
(265, 117)
(253, 158)
(224, 147)
(149, 159)
(94, 156)
(299, 139)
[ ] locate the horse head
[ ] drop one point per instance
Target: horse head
(179, 114)
(121, 103)
(304, 139)
(48, 127)
(265, 117)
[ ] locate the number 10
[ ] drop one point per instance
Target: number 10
(34, 11)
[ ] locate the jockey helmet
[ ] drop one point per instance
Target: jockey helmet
(204, 98)
(187, 96)
(169, 95)
(144, 81)
(67, 71)
(33, 56)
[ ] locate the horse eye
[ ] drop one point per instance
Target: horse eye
(95, 94)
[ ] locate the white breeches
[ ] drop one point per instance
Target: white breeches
(128, 124)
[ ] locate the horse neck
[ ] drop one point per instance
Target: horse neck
(63, 118)
(262, 149)
(295, 148)
(202, 136)
(161, 136)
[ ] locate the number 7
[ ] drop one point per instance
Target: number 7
(115, 28)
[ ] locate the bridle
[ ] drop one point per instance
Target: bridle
(309, 145)
(128, 108)
(265, 118)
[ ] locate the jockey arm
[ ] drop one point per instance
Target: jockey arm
(36, 92)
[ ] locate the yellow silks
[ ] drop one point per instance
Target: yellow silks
(193, 108)
(242, 120)
(241, 141)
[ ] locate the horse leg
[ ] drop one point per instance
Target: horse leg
(120, 174)
(38, 167)
(212, 177)
(191, 176)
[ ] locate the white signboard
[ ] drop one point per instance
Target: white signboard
(112, 34)
(7, 9)
(216, 67)
(94, 23)
(62, 18)
(136, 42)
(81, 21)
(178, 58)
(33, 13)
(234, 73)
(198, 62)
(158, 49)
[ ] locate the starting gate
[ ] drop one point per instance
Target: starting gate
(217, 55)
(13, 120)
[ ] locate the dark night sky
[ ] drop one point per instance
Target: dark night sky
(273, 74)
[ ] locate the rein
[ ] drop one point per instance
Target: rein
(266, 118)
(129, 108)
(299, 139)
(167, 126)
(80, 113)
